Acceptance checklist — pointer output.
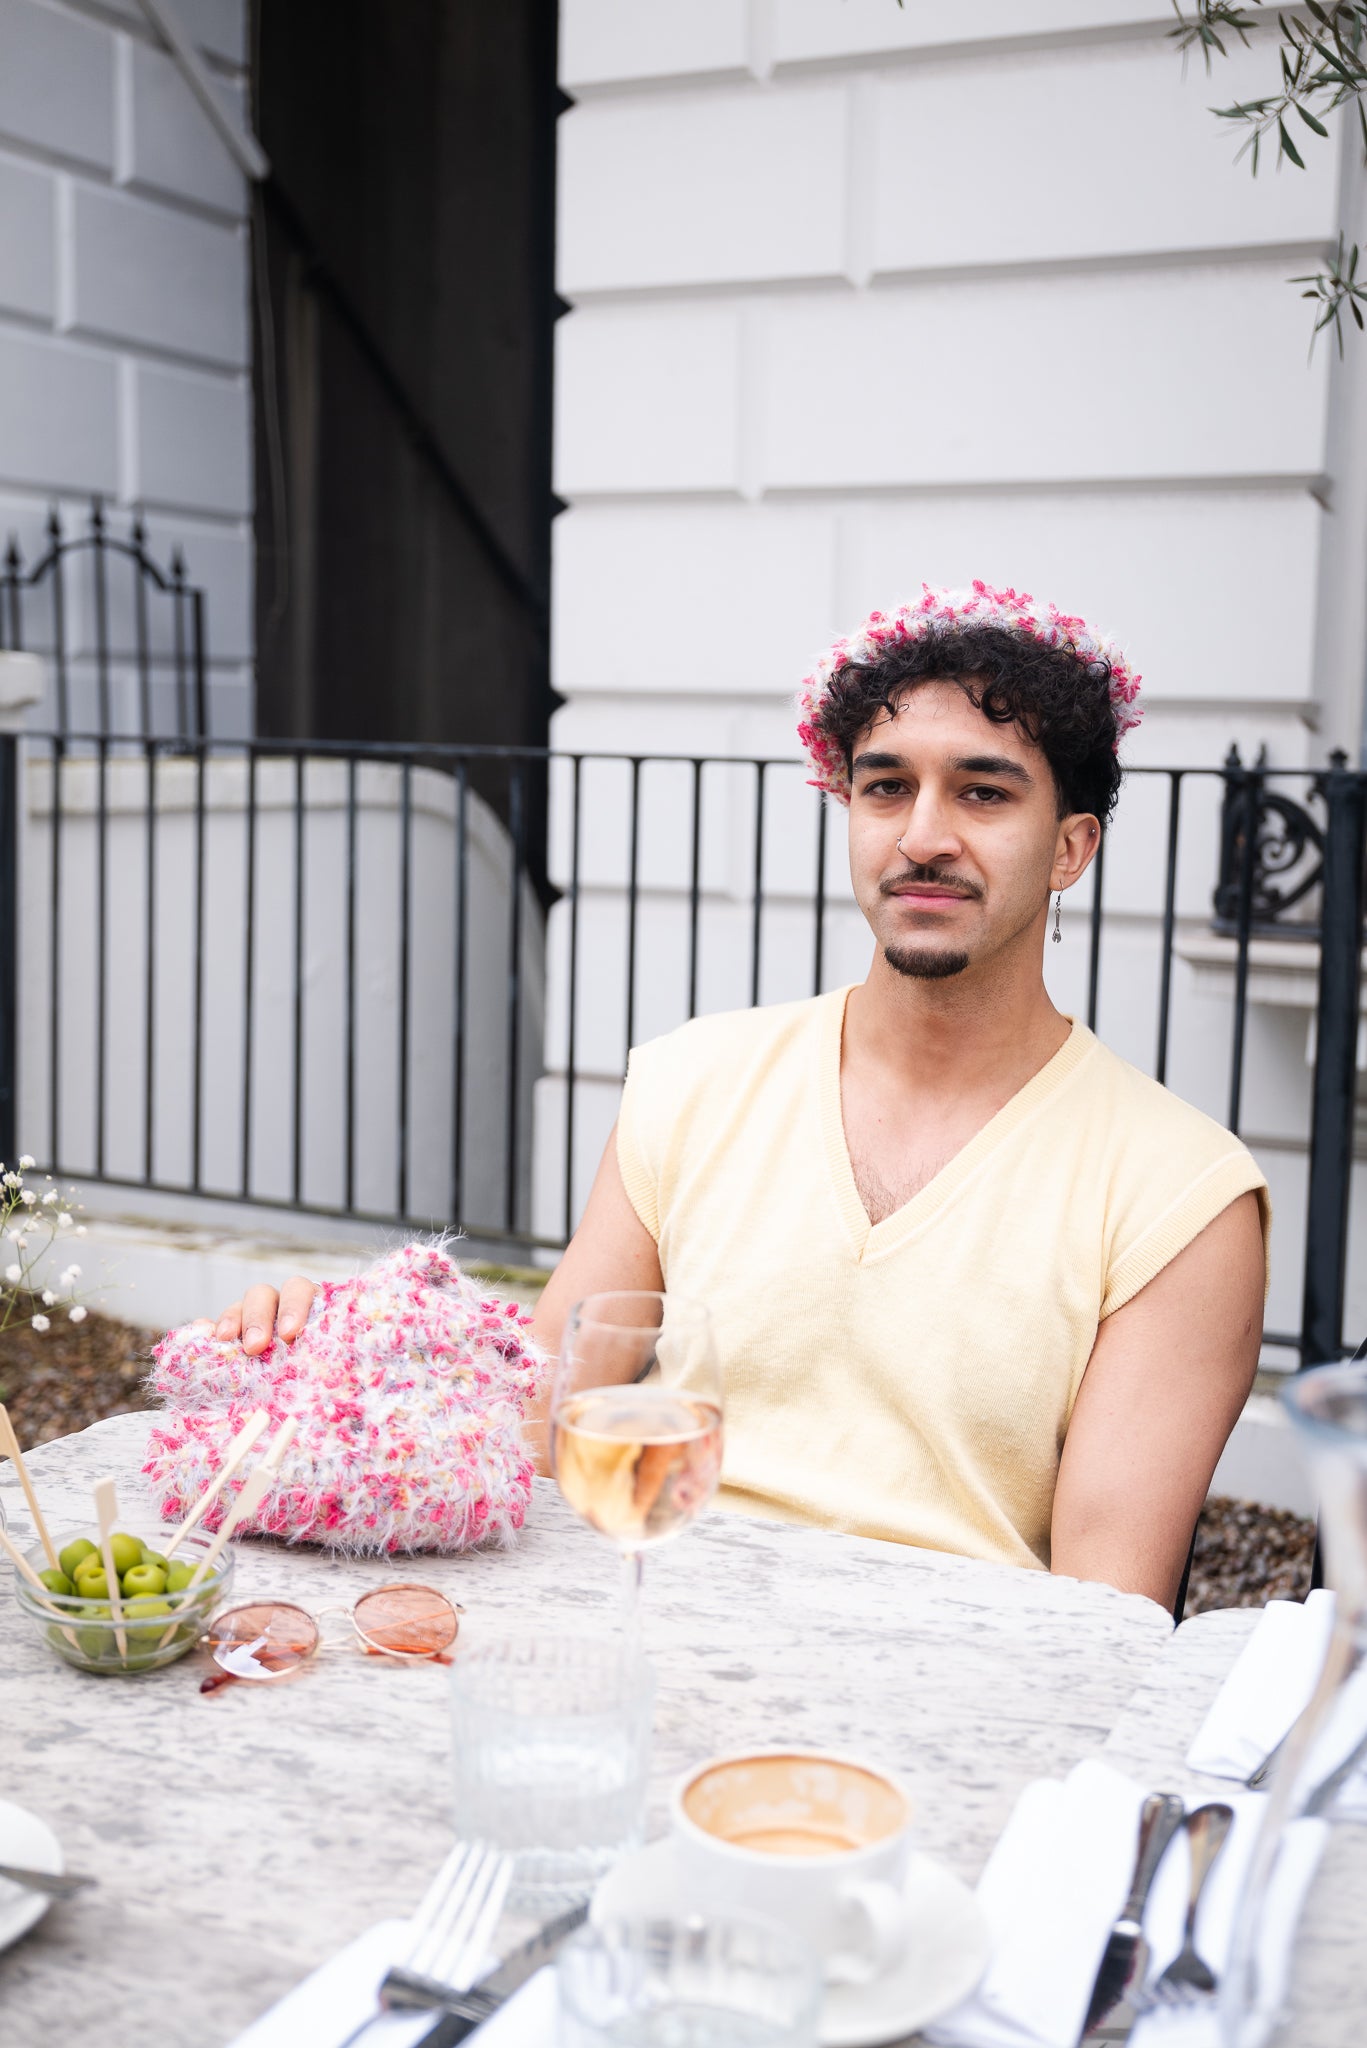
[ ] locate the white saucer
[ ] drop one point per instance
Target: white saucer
(30, 1843)
(944, 1960)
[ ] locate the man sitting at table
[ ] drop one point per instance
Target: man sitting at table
(978, 1284)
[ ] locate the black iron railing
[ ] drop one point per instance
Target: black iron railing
(319, 976)
(129, 615)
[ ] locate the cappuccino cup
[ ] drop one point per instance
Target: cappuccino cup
(816, 1841)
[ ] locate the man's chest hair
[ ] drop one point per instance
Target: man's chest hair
(887, 1183)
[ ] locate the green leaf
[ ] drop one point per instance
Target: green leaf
(1288, 147)
(1317, 127)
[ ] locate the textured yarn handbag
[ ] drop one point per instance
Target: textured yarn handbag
(409, 1384)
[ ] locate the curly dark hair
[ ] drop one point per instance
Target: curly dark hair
(1058, 701)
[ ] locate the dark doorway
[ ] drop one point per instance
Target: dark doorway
(404, 307)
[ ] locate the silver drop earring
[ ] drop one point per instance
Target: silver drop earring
(1058, 918)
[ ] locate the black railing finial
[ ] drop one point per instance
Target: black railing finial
(54, 526)
(97, 516)
(139, 536)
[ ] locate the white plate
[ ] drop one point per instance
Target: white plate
(944, 1960)
(29, 1842)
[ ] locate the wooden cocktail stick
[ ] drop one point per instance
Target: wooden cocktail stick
(254, 1489)
(237, 1451)
(9, 1448)
(106, 1514)
(21, 1564)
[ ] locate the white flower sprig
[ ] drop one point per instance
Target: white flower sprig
(30, 1225)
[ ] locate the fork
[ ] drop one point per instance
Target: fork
(451, 1933)
(1188, 1978)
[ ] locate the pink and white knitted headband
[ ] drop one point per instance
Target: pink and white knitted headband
(946, 611)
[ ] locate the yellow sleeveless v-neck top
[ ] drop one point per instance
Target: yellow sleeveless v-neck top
(910, 1379)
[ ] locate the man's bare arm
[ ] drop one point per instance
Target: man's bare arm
(1166, 1382)
(611, 1248)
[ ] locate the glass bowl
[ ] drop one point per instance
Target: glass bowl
(89, 1639)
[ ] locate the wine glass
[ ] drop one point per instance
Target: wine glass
(636, 1411)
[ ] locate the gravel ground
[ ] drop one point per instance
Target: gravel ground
(1247, 1555)
(59, 1380)
(74, 1374)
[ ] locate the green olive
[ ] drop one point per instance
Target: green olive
(93, 1585)
(57, 1582)
(126, 1552)
(72, 1555)
(179, 1577)
(155, 1557)
(145, 1604)
(93, 1641)
(144, 1579)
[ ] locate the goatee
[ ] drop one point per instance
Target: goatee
(919, 963)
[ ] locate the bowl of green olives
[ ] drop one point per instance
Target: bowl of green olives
(162, 1618)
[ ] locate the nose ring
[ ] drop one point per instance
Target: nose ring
(905, 856)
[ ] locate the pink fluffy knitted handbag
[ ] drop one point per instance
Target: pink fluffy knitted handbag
(409, 1385)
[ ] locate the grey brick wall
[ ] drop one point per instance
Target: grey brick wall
(125, 300)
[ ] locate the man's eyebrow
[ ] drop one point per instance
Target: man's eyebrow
(993, 764)
(967, 764)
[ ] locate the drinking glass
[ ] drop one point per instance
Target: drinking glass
(742, 1983)
(1328, 1406)
(636, 1421)
(552, 1755)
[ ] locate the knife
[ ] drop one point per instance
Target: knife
(1117, 1993)
(56, 1887)
(463, 2011)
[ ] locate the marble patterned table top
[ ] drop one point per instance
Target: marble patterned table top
(242, 1838)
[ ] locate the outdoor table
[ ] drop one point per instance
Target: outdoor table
(241, 1838)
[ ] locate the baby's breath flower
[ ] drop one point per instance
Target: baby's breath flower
(69, 1278)
(13, 1180)
(80, 1227)
(41, 1323)
(14, 1274)
(27, 1163)
(48, 1297)
(77, 1314)
(28, 1198)
(64, 1221)
(49, 1198)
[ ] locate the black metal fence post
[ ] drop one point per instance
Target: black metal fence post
(9, 944)
(1331, 1117)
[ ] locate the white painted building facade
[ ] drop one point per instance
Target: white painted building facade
(865, 295)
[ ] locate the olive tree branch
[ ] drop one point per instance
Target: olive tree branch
(1323, 58)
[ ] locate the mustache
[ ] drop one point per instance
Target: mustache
(930, 877)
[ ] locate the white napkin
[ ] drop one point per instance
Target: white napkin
(1266, 1688)
(1265, 1691)
(1054, 1885)
(325, 2010)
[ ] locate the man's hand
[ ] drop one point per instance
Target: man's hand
(263, 1314)
(1165, 1385)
